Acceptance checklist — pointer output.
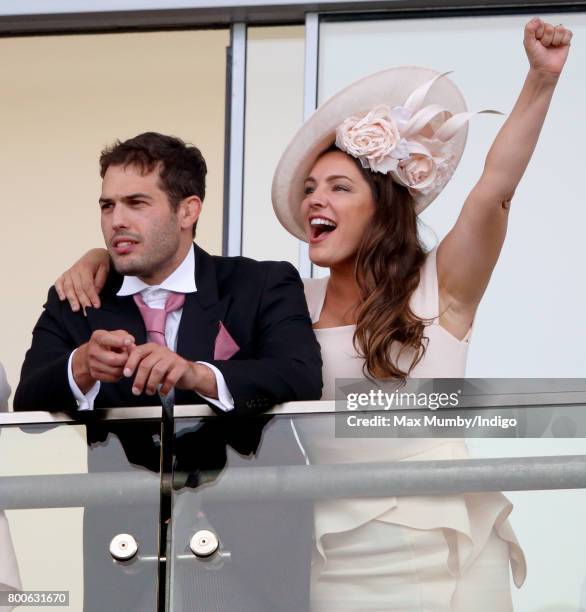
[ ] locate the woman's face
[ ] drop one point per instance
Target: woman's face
(337, 208)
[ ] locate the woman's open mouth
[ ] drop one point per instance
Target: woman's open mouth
(320, 228)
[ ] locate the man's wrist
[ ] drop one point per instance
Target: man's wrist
(205, 380)
(80, 370)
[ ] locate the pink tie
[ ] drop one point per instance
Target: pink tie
(155, 318)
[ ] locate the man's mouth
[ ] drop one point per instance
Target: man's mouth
(320, 228)
(123, 245)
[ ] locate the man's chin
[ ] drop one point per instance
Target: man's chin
(127, 267)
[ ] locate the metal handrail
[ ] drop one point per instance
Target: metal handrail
(481, 401)
(302, 482)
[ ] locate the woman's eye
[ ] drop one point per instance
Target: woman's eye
(308, 190)
(340, 188)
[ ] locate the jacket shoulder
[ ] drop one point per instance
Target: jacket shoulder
(252, 267)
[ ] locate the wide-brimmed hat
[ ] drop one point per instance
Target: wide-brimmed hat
(409, 121)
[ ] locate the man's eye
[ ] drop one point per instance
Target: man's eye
(105, 207)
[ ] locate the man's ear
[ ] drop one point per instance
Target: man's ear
(189, 211)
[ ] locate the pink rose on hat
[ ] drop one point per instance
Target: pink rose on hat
(417, 171)
(374, 138)
(428, 167)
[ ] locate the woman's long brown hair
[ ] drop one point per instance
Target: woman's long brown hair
(388, 266)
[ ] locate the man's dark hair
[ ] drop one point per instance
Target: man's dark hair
(182, 168)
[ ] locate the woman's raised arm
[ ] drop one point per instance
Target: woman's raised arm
(467, 255)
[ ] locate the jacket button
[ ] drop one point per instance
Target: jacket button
(123, 547)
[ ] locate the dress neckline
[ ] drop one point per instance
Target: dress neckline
(323, 287)
(327, 329)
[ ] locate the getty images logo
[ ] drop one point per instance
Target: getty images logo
(377, 398)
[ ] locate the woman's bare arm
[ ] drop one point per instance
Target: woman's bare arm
(468, 254)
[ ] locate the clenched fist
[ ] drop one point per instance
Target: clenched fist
(547, 46)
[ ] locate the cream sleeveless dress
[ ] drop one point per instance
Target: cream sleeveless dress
(408, 554)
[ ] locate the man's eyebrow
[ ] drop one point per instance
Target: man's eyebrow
(136, 196)
(127, 198)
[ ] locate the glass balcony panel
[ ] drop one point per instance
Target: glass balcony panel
(306, 519)
(265, 533)
(67, 491)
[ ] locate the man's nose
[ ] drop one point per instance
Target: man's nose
(119, 217)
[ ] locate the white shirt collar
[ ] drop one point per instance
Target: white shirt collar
(181, 280)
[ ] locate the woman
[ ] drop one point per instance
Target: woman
(352, 182)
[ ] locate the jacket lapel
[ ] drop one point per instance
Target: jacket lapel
(202, 312)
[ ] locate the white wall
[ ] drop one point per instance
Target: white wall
(274, 112)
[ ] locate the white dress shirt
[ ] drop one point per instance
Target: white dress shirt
(182, 280)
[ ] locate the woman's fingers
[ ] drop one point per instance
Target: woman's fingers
(558, 36)
(69, 291)
(567, 37)
(88, 289)
(81, 287)
(540, 29)
(82, 283)
(548, 33)
(59, 288)
(100, 281)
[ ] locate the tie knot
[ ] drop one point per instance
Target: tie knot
(156, 318)
(174, 301)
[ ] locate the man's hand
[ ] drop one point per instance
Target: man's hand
(102, 358)
(157, 365)
(547, 46)
(82, 283)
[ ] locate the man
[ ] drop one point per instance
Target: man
(253, 312)
(231, 332)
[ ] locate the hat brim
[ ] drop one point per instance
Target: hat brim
(391, 87)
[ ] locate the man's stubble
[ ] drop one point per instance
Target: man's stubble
(159, 246)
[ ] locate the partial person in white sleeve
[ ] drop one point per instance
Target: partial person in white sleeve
(9, 574)
(351, 183)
